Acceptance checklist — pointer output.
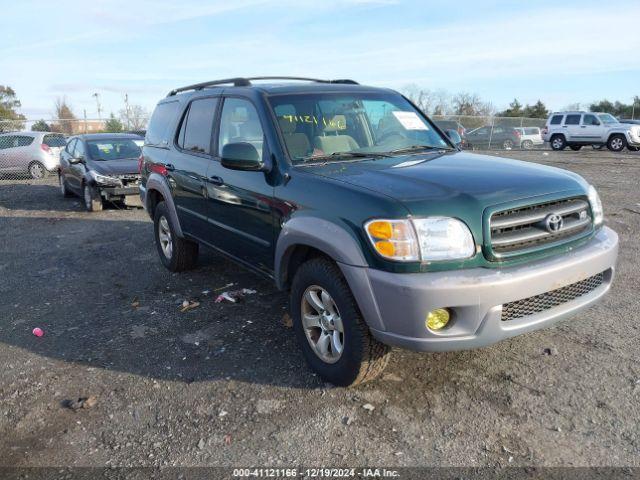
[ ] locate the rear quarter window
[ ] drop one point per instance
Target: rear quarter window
(158, 133)
(556, 120)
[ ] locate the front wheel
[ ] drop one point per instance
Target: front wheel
(177, 254)
(334, 338)
(617, 143)
(527, 145)
(507, 144)
(92, 200)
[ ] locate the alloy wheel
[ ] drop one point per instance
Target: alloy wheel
(36, 170)
(617, 144)
(164, 235)
(322, 324)
(557, 143)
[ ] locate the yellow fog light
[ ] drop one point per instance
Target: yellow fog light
(438, 319)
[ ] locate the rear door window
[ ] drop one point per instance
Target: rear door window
(23, 141)
(556, 119)
(158, 133)
(196, 131)
(572, 120)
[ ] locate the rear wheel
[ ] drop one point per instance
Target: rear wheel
(334, 338)
(527, 145)
(92, 200)
(177, 254)
(507, 144)
(37, 170)
(575, 148)
(617, 143)
(558, 142)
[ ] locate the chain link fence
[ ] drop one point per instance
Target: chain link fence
(30, 148)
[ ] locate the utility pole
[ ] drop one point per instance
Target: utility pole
(97, 97)
(127, 111)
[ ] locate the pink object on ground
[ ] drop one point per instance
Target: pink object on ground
(38, 332)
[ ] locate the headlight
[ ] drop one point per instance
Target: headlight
(596, 206)
(103, 179)
(425, 239)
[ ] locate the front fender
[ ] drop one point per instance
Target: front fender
(328, 237)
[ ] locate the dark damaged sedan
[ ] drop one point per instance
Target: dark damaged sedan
(101, 167)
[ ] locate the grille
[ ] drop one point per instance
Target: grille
(524, 228)
(129, 179)
(545, 301)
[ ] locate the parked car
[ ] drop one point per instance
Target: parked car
(495, 136)
(576, 129)
(101, 167)
(381, 229)
(530, 137)
(32, 153)
(453, 125)
(630, 120)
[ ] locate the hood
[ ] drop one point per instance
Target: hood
(428, 184)
(115, 167)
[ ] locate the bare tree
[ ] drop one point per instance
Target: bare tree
(471, 104)
(65, 116)
(134, 117)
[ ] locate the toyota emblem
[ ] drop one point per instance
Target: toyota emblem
(553, 223)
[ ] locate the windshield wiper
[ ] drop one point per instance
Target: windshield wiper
(417, 148)
(335, 155)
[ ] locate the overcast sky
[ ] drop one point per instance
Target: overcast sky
(561, 52)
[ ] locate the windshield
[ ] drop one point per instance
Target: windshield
(607, 118)
(347, 125)
(113, 149)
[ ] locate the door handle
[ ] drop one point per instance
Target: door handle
(216, 180)
(170, 167)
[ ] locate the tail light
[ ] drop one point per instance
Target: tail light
(517, 133)
(45, 147)
(545, 130)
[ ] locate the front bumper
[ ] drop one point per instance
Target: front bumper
(111, 193)
(395, 305)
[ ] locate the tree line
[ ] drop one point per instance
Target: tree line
(131, 118)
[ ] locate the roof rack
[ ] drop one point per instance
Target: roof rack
(246, 82)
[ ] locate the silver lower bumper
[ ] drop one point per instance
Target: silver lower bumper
(395, 305)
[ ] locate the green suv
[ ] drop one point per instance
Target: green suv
(381, 229)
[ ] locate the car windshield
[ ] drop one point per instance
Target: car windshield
(607, 118)
(334, 126)
(113, 149)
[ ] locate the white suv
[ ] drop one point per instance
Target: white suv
(575, 129)
(530, 137)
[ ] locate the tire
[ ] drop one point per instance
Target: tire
(558, 142)
(362, 357)
(63, 186)
(527, 145)
(91, 197)
(507, 145)
(176, 254)
(617, 143)
(37, 170)
(575, 148)
(633, 149)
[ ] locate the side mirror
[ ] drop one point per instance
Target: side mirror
(76, 160)
(241, 156)
(454, 136)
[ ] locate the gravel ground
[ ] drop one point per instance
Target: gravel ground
(225, 384)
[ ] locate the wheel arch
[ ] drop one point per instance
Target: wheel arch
(157, 190)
